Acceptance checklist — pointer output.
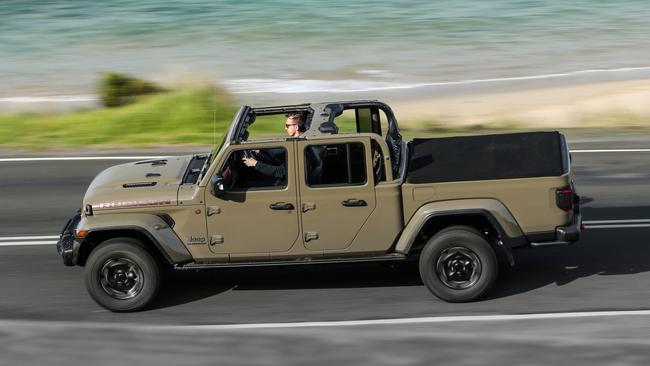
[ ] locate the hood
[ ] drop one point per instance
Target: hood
(143, 183)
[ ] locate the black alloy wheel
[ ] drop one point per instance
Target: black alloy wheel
(122, 275)
(458, 264)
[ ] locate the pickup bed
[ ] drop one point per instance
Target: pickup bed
(326, 196)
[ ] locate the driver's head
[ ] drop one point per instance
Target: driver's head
(295, 124)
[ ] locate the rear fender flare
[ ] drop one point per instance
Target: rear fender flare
(494, 211)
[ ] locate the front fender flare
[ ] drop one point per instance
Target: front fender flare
(150, 225)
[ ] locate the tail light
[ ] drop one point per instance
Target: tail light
(564, 198)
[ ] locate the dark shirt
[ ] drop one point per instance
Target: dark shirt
(271, 163)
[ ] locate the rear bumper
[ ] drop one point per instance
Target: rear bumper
(571, 233)
(68, 246)
(564, 235)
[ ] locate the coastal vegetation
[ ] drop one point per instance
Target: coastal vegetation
(186, 116)
(139, 113)
(117, 89)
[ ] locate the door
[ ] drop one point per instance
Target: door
(336, 190)
(256, 212)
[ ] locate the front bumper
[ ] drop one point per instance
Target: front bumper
(68, 246)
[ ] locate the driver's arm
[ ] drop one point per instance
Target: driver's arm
(275, 171)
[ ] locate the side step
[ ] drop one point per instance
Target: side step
(293, 262)
(550, 244)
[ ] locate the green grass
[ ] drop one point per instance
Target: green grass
(190, 117)
(176, 117)
(179, 117)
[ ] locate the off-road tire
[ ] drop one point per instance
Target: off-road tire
(457, 246)
(128, 258)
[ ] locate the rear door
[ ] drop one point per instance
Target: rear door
(337, 192)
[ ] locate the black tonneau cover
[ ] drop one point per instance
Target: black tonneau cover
(504, 156)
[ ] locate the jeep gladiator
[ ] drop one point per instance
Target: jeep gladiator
(454, 204)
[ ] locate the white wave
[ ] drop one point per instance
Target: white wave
(293, 86)
(377, 73)
(288, 86)
(51, 99)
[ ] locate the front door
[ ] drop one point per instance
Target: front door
(256, 214)
(336, 190)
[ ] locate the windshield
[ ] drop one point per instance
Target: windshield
(211, 157)
(216, 149)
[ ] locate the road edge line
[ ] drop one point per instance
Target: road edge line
(138, 327)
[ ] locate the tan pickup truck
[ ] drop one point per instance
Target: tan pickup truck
(329, 195)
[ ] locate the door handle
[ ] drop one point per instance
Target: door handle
(311, 235)
(281, 206)
(213, 211)
(308, 206)
(353, 202)
(216, 239)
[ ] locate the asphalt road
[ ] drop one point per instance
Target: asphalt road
(44, 306)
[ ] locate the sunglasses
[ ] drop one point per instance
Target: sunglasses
(287, 126)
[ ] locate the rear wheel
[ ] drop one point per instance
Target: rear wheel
(121, 275)
(458, 264)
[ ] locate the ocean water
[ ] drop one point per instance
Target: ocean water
(58, 49)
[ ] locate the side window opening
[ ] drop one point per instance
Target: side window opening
(346, 122)
(363, 120)
(371, 119)
(335, 164)
(266, 126)
(270, 171)
(378, 166)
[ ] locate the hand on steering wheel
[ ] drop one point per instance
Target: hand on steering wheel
(249, 162)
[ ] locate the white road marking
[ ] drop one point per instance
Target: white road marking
(9, 238)
(91, 158)
(81, 158)
(18, 243)
(7, 241)
(593, 224)
(631, 221)
(616, 224)
(610, 151)
(8, 324)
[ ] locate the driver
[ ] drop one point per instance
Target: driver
(271, 162)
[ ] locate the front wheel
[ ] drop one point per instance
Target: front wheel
(121, 275)
(458, 265)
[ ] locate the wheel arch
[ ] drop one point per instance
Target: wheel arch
(488, 216)
(96, 237)
(151, 230)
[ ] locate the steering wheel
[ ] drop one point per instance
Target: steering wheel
(248, 154)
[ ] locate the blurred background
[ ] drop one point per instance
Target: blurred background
(442, 65)
(128, 78)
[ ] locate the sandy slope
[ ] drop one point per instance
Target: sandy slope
(585, 105)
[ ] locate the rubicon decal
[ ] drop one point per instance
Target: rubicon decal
(122, 204)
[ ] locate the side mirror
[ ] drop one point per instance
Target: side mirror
(217, 185)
